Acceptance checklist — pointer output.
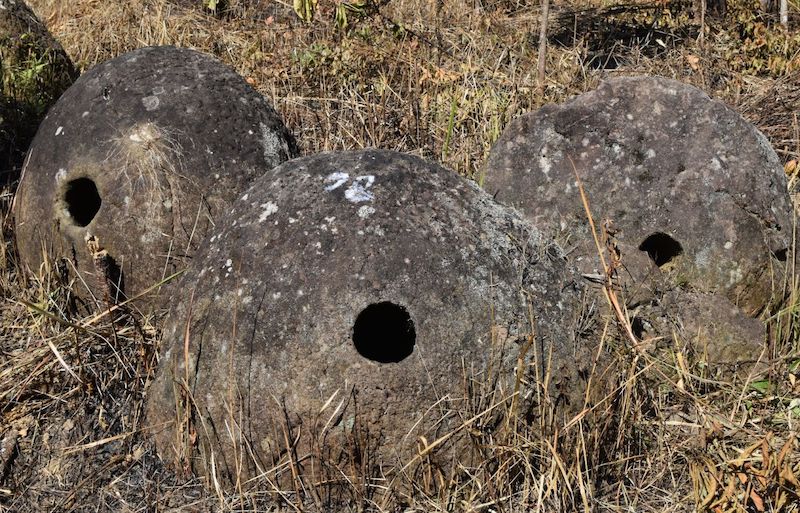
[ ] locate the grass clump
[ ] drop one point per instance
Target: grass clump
(34, 71)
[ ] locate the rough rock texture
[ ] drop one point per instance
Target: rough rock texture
(373, 278)
(708, 325)
(662, 161)
(140, 155)
(696, 196)
(35, 70)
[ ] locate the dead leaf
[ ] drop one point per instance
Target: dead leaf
(788, 476)
(694, 61)
(757, 501)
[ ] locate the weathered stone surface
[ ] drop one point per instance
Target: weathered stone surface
(372, 278)
(684, 179)
(142, 153)
(34, 70)
(709, 326)
(717, 330)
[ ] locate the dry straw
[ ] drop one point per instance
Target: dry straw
(660, 431)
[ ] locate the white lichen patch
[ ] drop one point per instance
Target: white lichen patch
(544, 163)
(335, 180)
(377, 230)
(61, 174)
(269, 209)
(151, 103)
(365, 211)
(359, 190)
(657, 108)
(149, 237)
(702, 258)
(735, 276)
(272, 145)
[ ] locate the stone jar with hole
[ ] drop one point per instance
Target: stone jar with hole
(132, 166)
(362, 304)
(690, 195)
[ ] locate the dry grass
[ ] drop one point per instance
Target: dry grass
(440, 79)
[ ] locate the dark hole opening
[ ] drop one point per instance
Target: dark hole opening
(384, 333)
(83, 201)
(661, 248)
(781, 254)
(639, 327)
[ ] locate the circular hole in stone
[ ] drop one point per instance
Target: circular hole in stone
(661, 248)
(639, 327)
(82, 200)
(384, 333)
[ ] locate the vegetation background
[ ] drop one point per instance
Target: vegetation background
(441, 79)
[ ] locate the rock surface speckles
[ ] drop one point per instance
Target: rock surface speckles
(372, 277)
(696, 196)
(683, 178)
(142, 153)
